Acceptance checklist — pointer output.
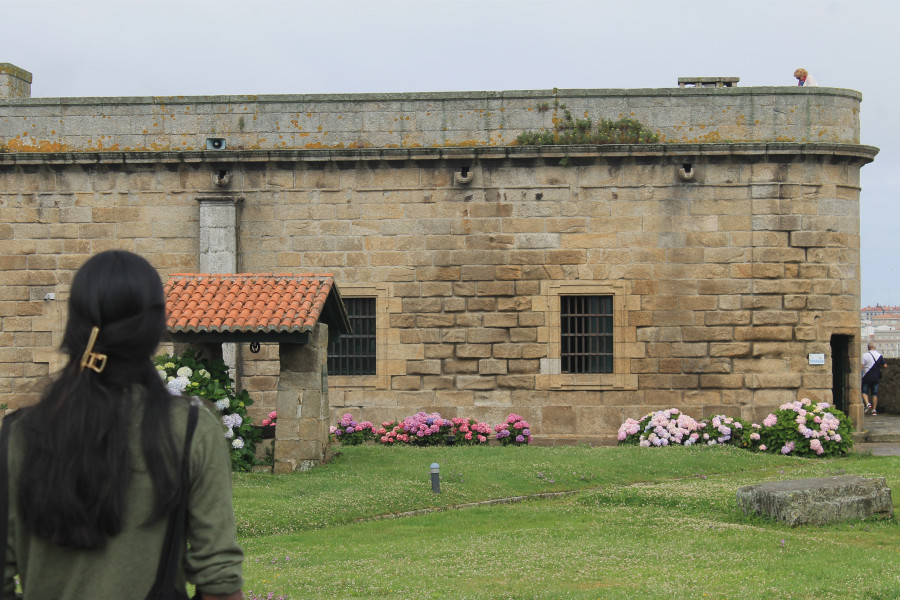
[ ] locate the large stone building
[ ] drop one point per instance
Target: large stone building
(716, 271)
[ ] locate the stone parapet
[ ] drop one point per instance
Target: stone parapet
(420, 120)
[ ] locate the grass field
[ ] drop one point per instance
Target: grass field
(637, 523)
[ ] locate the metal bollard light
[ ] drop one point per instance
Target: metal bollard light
(436, 478)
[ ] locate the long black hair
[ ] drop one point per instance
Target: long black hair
(77, 466)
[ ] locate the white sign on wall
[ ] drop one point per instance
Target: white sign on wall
(817, 359)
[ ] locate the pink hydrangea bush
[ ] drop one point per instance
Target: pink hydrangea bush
(387, 434)
(420, 429)
(349, 432)
(424, 429)
(806, 428)
(660, 428)
(722, 429)
(469, 432)
(800, 428)
(514, 431)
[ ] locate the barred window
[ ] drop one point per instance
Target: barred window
(354, 353)
(586, 334)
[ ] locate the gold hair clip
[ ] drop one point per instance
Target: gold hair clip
(90, 359)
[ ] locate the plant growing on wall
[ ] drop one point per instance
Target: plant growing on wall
(189, 375)
(571, 131)
(568, 130)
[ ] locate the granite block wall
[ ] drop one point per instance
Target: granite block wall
(731, 251)
(722, 285)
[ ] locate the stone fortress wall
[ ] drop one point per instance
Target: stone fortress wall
(722, 282)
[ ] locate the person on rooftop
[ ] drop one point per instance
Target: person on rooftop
(805, 79)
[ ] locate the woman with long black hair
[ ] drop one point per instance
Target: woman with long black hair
(94, 468)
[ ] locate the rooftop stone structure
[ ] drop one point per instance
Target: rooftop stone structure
(728, 252)
(423, 120)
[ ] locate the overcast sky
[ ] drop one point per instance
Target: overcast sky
(201, 47)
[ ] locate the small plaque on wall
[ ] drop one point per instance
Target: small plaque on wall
(817, 359)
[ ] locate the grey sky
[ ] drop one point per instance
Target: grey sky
(200, 47)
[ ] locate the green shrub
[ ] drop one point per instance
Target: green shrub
(189, 375)
(804, 428)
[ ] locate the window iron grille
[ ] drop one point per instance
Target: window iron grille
(586, 334)
(354, 353)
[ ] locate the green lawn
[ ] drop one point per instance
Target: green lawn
(641, 523)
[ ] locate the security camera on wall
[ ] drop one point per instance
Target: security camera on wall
(215, 143)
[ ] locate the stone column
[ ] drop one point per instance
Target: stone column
(218, 252)
(301, 437)
(14, 82)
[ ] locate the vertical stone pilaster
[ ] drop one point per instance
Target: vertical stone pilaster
(218, 234)
(218, 253)
(301, 438)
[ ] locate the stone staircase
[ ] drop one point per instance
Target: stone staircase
(883, 429)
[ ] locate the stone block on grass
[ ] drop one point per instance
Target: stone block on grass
(818, 501)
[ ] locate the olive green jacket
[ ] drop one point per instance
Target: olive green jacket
(126, 567)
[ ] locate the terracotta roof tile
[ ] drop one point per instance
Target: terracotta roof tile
(245, 302)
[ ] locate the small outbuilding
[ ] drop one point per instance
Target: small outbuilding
(299, 312)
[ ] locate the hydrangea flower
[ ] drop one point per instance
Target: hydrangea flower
(348, 430)
(237, 443)
(188, 374)
(816, 446)
(722, 429)
(272, 419)
(660, 428)
(513, 424)
(177, 385)
(232, 421)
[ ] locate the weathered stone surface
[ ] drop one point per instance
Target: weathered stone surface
(818, 501)
(721, 285)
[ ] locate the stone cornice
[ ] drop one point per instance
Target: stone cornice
(772, 150)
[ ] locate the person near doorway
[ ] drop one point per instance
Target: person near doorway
(872, 364)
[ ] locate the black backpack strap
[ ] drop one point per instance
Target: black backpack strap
(4, 489)
(174, 541)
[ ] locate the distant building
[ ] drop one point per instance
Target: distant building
(867, 312)
(881, 325)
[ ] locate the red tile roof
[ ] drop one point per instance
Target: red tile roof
(245, 302)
